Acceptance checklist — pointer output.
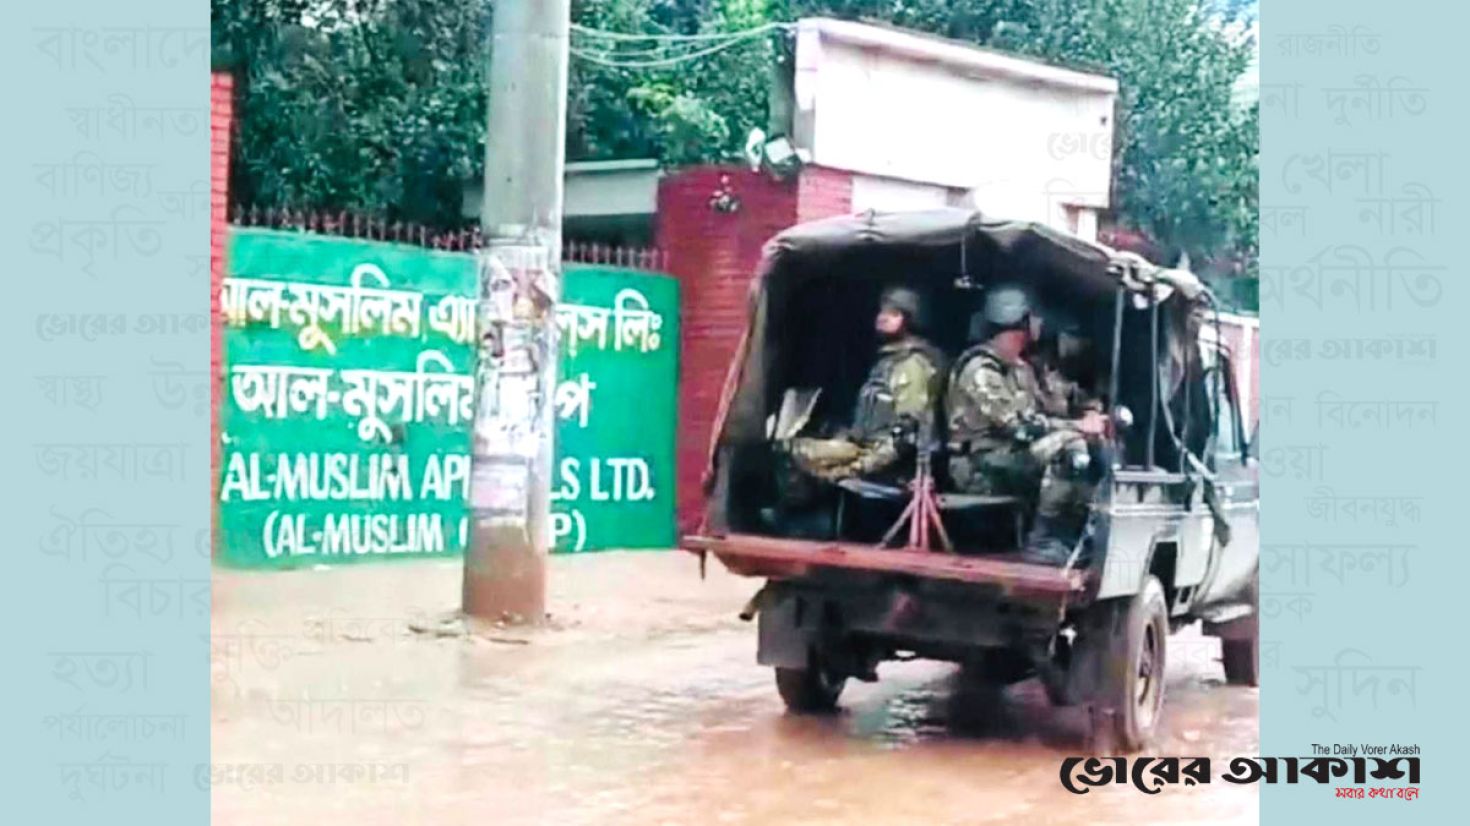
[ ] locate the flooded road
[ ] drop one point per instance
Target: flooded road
(642, 704)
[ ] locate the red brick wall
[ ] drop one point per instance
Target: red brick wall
(714, 255)
(221, 122)
(823, 193)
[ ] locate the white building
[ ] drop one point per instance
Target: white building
(922, 121)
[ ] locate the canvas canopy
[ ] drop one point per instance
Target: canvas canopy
(827, 273)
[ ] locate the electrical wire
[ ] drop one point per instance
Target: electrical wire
(611, 35)
(661, 50)
(726, 40)
(606, 59)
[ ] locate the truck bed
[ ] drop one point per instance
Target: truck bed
(776, 558)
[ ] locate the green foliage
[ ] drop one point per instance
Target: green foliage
(694, 112)
(1186, 169)
(369, 105)
(379, 105)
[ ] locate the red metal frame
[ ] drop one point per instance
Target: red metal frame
(922, 512)
(763, 556)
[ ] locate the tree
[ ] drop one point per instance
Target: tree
(375, 106)
(696, 111)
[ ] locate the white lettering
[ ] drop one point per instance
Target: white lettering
(342, 477)
(610, 479)
(434, 485)
(432, 392)
(571, 486)
(337, 536)
(291, 478)
(311, 307)
(383, 533)
(457, 472)
(569, 525)
(598, 494)
(639, 488)
(430, 530)
(268, 533)
(290, 536)
(340, 474)
(242, 479)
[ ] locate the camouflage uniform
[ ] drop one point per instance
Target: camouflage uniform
(1010, 436)
(901, 391)
(1061, 394)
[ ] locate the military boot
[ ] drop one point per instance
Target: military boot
(1061, 513)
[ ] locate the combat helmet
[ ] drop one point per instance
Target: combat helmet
(906, 301)
(1006, 306)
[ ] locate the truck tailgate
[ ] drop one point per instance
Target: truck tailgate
(764, 556)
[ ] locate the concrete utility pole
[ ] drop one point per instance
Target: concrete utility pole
(520, 283)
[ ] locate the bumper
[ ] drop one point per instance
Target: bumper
(773, 558)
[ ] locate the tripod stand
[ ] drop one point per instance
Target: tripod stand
(922, 511)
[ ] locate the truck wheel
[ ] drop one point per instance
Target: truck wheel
(810, 689)
(1131, 696)
(1242, 660)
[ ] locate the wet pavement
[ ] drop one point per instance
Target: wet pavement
(642, 704)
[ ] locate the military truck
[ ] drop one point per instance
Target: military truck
(1171, 533)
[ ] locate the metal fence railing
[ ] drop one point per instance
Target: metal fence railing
(637, 258)
(463, 239)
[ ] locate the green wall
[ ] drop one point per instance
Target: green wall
(345, 413)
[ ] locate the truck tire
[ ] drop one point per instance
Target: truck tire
(1131, 692)
(1242, 660)
(809, 690)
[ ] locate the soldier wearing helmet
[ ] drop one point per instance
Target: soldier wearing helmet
(897, 404)
(1065, 368)
(1003, 438)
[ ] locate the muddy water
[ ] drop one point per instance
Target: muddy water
(641, 705)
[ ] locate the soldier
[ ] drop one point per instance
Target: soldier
(896, 405)
(1005, 441)
(1064, 370)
